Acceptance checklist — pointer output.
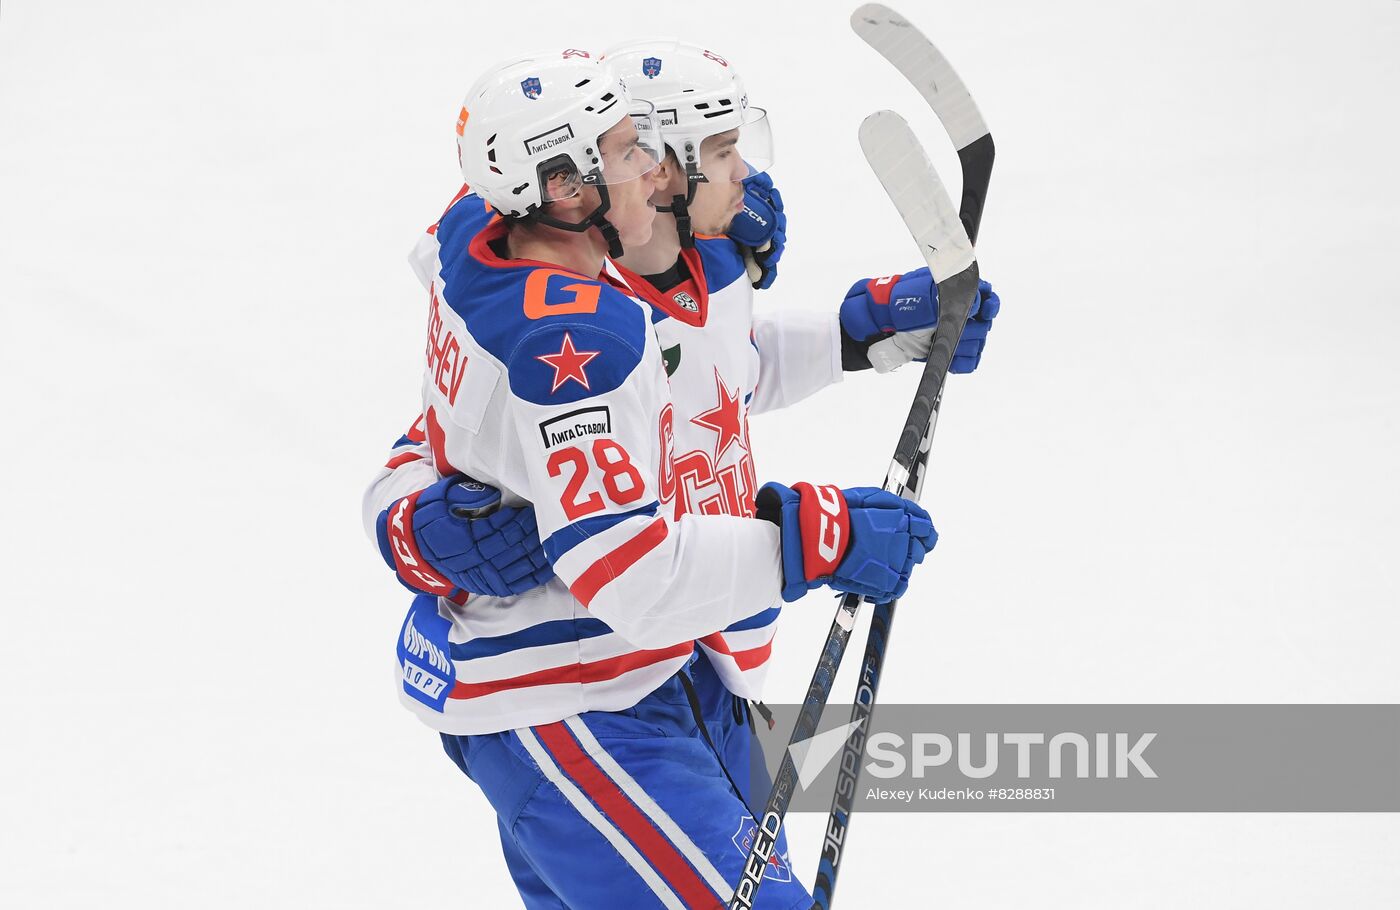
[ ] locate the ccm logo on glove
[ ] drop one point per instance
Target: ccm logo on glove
(825, 528)
(862, 540)
(407, 560)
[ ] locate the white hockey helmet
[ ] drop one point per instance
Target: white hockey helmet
(697, 94)
(530, 120)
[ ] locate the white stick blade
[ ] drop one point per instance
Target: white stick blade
(910, 52)
(914, 187)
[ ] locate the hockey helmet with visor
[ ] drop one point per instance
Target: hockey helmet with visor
(541, 129)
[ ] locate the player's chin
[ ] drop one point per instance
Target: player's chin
(637, 235)
(720, 225)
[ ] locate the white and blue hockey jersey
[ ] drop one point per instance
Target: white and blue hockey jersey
(621, 413)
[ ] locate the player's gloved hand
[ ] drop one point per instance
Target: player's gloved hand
(887, 322)
(760, 229)
(456, 537)
(863, 540)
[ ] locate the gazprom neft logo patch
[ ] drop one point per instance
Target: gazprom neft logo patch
(575, 425)
(536, 145)
(428, 672)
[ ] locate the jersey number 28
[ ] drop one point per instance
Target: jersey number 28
(620, 479)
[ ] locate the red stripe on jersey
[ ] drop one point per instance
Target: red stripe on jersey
(612, 565)
(417, 434)
(400, 460)
(438, 441)
(745, 660)
(636, 827)
(594, 671)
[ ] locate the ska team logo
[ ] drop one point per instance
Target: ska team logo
(651, 67)
(531, 87)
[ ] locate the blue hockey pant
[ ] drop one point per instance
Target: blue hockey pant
(630, 809)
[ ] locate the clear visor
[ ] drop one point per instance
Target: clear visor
(735, 154)
(629, 149)
(634, 147)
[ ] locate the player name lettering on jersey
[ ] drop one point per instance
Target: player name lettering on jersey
(446, 362)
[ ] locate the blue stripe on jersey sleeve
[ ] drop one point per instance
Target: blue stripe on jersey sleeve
(722, 262)
(570, 536)
(757, 621)
(554, 632)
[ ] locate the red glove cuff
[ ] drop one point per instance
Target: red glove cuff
(825, 523)
(408, 559)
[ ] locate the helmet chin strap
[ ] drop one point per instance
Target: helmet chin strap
(594, 219)
(680, 206)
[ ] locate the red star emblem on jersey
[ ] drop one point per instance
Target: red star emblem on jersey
(726, 418)
(568, 364)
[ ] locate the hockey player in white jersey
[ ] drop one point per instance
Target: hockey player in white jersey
(545, 379)
(723, 363)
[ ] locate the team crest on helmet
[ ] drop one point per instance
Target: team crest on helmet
(531, 87)
(651, 67)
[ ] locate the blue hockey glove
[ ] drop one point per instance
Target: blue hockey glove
(456, 537)
(968, 354)
(860, 541)
(760, 229)
(887, 322)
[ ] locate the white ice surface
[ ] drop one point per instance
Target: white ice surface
(1168, 483)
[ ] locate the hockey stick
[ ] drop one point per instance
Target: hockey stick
(929, 71)
(920, 62)
(910, 180)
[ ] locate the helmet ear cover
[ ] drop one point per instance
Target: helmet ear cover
(559, 166)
